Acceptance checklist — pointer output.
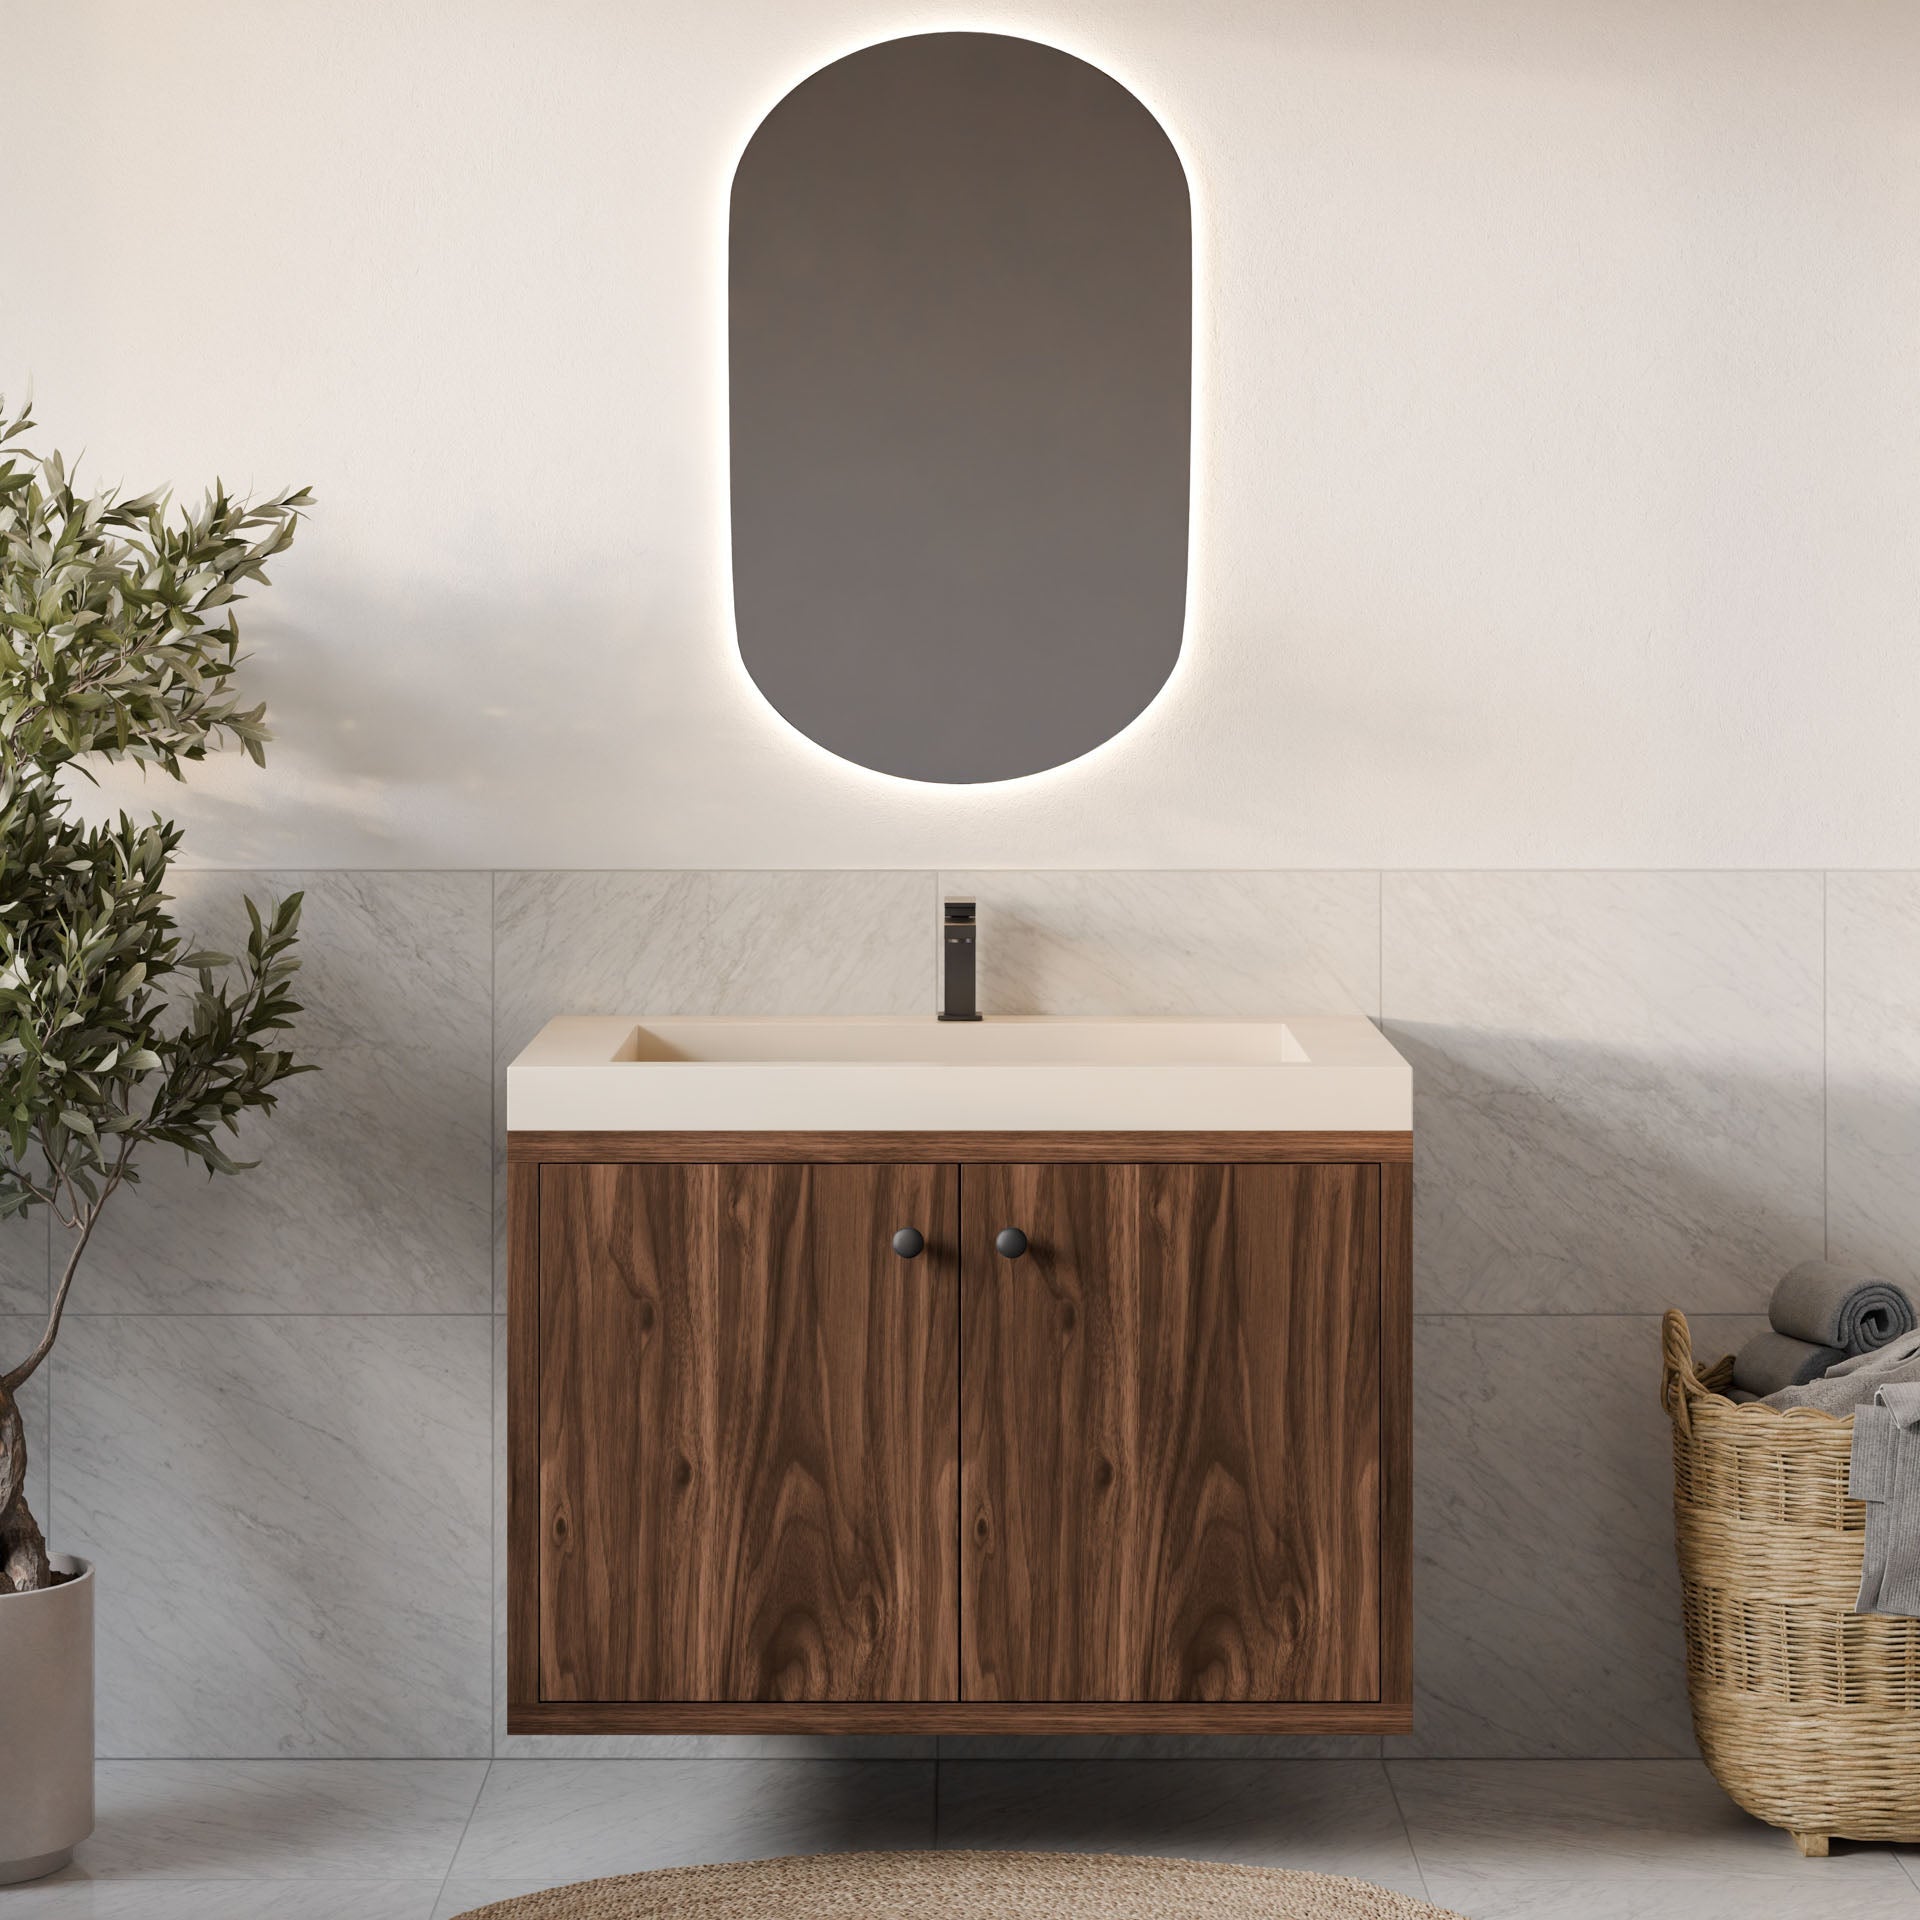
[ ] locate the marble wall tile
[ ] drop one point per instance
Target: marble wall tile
(1323, 1816)
(290, 1518)
(1873, 1071)
(747, 943)
(540, 1822)
(1180, 943)
(1620, 1840)
(18, 1332)
(24, 1255)
(1546, 1598)
(372, 1193)
(1617, 1085)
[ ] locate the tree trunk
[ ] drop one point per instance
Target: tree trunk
(23, 1550)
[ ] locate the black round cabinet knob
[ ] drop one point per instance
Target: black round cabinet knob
(1010, 1242)
(909, 1243)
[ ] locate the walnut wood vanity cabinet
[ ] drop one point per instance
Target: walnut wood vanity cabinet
(768, 1473)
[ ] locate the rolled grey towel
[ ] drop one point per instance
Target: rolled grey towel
(1770, 1361)
(1828, 1305)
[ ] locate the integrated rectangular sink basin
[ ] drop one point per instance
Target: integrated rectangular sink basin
(619, 1073)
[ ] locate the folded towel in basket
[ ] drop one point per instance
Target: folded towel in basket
(1885, 1473)
(1853, 1383)
(1770, 1361)
(1829, 1305)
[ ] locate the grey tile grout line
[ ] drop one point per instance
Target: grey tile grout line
(453, 1859)
(1911, 1868)
(1347, 867)
(285, 1313)
(1406, 1826)
(1602, 1313)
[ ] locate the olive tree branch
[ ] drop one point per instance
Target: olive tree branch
(17, 1377)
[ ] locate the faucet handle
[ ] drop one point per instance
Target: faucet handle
(957, 935)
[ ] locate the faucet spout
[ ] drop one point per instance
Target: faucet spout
(957, 962)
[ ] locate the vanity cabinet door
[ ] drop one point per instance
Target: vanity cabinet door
(747, 1473)
(1170, 1447)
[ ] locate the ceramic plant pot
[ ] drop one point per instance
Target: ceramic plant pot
(46, 1723)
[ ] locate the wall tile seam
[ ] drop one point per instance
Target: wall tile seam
(1649, 1314)
(281, 1313)
(1347, 867)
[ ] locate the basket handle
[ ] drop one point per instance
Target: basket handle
(1681, 1383)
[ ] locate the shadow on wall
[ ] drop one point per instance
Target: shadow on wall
(1555, 1176)
(1564, 1194)
(522, 681)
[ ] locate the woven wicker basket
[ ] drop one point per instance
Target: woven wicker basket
(1807, 1713)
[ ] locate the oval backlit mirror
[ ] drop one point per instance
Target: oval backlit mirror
(960, 341)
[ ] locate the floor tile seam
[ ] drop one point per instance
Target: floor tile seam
(453, 1858)
(1406, 1827)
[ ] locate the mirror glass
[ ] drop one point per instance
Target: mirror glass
(960, 345)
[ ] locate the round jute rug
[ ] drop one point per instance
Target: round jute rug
(966, 1886)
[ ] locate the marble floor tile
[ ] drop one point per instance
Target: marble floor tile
(290, 1518)
(1328, 1816)
(281, 1820)
(372, 1192)
(543, 1822)
(1227, 944)
(1546, 1601)
(1622, 1840)
(1617, 1085)
(78, 1898)
(460, 1897)
(24, 1255)
(1873, 1070)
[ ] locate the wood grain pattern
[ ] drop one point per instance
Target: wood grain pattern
(1171, 1434)
(747, 1434)
(938, 1716)
(823, 1148)
(727, 1157)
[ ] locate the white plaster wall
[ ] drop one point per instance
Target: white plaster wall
(1559, 478)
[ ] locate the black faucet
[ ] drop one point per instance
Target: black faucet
(956, 948)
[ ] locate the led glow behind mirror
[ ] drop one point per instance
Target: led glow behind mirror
(960, 355)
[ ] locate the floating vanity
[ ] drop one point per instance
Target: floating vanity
(884, 1375)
